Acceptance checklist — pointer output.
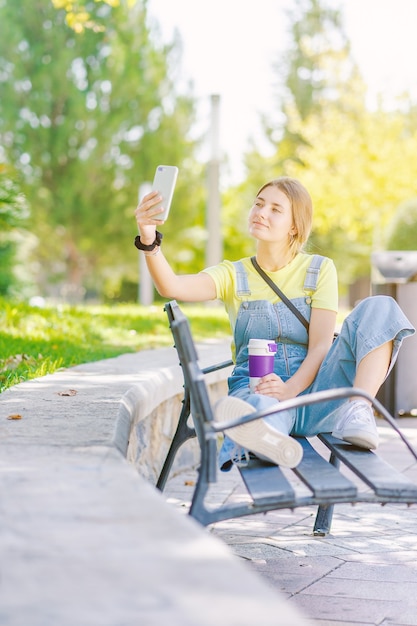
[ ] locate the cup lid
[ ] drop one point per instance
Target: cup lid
(263, 344)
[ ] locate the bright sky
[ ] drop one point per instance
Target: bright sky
(230, 46)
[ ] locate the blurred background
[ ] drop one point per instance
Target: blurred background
(94, 95)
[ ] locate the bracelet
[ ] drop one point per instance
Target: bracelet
(150, 247)
(157, 251)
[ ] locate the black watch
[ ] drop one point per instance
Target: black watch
(152, 246)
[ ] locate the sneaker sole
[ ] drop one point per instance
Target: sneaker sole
(357, 438)
(258, 436)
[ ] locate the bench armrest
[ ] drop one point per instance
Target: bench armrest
(312, 398)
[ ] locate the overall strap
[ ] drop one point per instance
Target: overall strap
(313, 271)
(242, 284)
(278, 291)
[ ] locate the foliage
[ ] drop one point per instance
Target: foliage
(13, 210)
(356, 181)
(79, 18)
(86, 118)
(402, 230)
(314, 61)
(37, 341)
(313, 71)
(13, 206)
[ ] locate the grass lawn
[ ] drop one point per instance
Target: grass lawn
(38, 341)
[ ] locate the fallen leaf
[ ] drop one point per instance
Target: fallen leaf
(189, 483)
(14, 416)
(69, 392)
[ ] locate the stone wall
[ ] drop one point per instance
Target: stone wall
(151, 432)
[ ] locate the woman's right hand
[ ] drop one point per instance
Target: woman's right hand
(146, 214)
(188, 287)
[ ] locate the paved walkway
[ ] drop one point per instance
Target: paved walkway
(363, 573)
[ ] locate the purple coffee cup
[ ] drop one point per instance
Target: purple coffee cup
(261, 360)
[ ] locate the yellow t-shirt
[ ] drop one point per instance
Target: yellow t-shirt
(290, 279)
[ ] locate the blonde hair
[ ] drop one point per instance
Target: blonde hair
(301, 207)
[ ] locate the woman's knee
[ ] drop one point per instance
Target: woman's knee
(374, 312)
(376, 303)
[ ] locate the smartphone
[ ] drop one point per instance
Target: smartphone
(164, 182)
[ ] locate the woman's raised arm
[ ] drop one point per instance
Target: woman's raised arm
(187, 287)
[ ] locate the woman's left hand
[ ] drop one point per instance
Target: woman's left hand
(273, 386)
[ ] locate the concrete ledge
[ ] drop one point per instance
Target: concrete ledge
(84, 537)
(149, 412)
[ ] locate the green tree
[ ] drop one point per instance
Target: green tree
(313, 71)
(354, 166)
(86, 118)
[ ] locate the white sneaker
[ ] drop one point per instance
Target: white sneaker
(258, 436)
(356, 424)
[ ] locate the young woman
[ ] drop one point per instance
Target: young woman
(280, 221)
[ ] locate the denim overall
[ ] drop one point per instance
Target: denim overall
(373, 322)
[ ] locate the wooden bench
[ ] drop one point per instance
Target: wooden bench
(269, 487)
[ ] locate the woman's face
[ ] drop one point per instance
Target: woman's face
(270, 218)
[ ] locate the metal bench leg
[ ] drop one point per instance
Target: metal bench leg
(323, 520)
(324, 515)
(182, 434)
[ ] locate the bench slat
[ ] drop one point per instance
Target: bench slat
(384, 479)
(324, 480)
(266, 483)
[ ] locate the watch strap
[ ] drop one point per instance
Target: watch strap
(151, 246)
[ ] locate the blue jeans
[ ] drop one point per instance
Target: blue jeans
(373, 322)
